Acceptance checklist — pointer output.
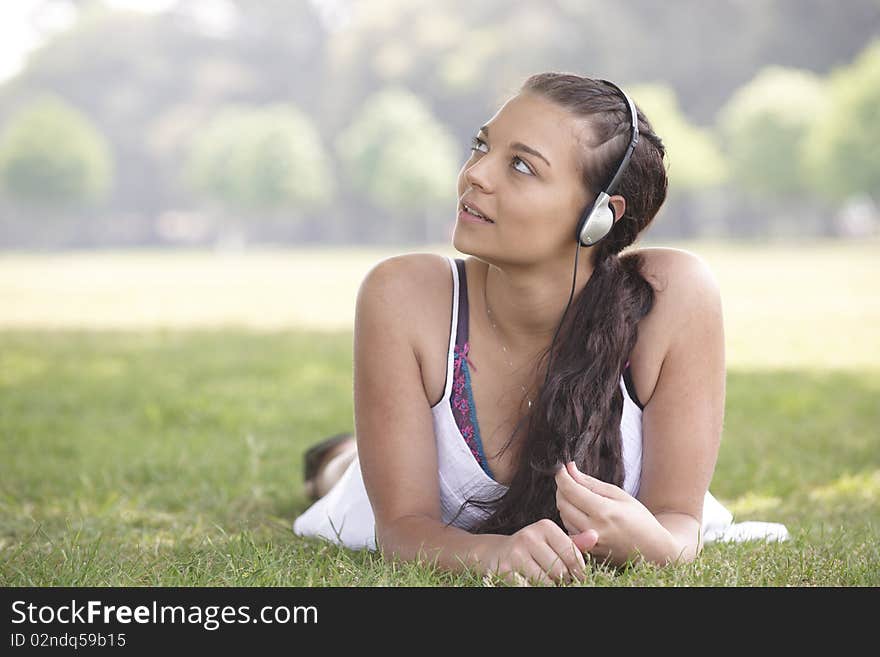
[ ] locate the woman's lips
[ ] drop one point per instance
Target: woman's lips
(472, 218)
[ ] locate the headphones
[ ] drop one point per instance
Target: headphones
(597, 219)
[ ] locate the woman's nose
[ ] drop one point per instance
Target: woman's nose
(478, 173)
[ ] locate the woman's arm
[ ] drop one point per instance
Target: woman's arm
(682, 422)
(397, 446)
(393, 423)
(681, 426)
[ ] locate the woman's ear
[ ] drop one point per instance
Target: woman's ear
(618, 205)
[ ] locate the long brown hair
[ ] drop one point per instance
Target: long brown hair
(577, 413)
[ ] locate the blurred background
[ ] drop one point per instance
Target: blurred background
(191, 192)
(225, 123)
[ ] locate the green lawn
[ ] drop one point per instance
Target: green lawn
(172, 456)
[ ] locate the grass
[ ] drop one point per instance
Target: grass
(172, 456)
(785, 305)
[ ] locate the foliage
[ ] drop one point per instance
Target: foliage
(151, 81)
(764, 125)
(396, 153)
(266, 157)
(842, 150)
(51, 153)
(693, 158)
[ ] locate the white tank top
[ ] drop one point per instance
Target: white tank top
(344, 514)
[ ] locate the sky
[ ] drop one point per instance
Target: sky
(26, 24)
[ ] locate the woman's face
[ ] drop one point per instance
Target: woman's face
(534, 200)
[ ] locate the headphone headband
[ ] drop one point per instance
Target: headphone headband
(634, 139)
(598, 219)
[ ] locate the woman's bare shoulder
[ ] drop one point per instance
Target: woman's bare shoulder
(404, 302)
(670, 269)
(416, 288)
(409, 277)
(411, 263)
(685, 291)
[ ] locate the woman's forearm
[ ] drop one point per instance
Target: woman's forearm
(421, 538)
(686, 532)
(671, 539)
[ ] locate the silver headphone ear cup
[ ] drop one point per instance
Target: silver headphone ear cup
(599, 222)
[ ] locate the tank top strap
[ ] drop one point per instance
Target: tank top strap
(461, 330)
(458, 334)
(453, 330)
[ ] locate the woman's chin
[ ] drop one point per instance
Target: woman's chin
(465, 243)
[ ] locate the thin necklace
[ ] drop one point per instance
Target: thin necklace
(501, 342)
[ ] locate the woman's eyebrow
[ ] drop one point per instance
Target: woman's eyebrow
(518, 146)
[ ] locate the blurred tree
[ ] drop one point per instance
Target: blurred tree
(282, 42)
(695, 165)
(150, 80)
(402, 159)
(763, 127)
(267, 159)
(843, 148)
(52, 154)
(694, 158)
(124, 69)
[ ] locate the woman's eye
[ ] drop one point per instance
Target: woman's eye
(476, 142)
(525, 166)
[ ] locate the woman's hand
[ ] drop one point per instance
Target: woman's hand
(541, 552)
(603, 519)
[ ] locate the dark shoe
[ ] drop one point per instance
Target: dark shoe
(315, 455)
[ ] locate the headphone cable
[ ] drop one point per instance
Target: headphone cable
(564, 313)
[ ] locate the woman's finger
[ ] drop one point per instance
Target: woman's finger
(582, 497)
(568, 551)
(597, 486)
(551, 563)
(575, 520)
(523, 572)
(516, 579)
(535, 572)
(587, 541)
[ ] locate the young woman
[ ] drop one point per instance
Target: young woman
(523, 406)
